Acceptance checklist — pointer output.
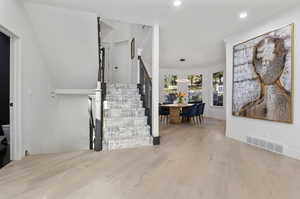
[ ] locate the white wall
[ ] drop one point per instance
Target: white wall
(69, 43)
(210, 111)
(281, 133)
(36, 84)
(69, 126)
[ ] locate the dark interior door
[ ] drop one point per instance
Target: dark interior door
(4, 95)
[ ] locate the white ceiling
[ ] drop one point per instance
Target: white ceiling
(194, 31)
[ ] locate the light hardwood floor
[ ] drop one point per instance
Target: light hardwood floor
(191, 163)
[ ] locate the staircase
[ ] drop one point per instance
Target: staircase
(124, 122)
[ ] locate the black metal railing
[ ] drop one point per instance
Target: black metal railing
(98, 127)
(145, 90)
(103, 92)
(91, 123)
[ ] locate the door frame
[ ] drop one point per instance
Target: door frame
(16, 144)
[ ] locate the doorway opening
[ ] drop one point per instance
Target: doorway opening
(12, 99)
(4, 99)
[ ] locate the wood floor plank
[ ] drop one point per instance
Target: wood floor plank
(192, 162)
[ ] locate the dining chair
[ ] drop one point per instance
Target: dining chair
(185, 113)
(201, 112)
(189, 113)
(164, 113)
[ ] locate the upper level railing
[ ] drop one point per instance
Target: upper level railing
(145, 89)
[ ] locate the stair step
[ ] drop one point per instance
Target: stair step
(120, 133)
(115, 144)
(125, 121)
(126, 98)
(124, 112)
(124, 109)
(122, 92)
(130, 95)
(127, 106)
(123, 101)
(124, 86)
(123, 89)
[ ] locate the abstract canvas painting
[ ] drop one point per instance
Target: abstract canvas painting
(263, 76)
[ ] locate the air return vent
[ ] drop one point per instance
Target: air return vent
(269, 146)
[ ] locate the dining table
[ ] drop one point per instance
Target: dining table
(175, 110)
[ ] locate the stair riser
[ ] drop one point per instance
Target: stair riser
(123, 113)
(132, 135)
(117, 90)
(124, 110)
(138, 114)
(122, 93)
(124, 101)
(121, 86)
(111, 97)
(137, 106)
(126, 130)
(122, 144)
(125, 123)
(115, 105)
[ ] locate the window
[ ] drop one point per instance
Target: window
(170, 88)
(195, 88)
(218, 89)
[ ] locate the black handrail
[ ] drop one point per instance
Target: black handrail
(103, 92)
(101, 78)
(145, 90)
(91, 124)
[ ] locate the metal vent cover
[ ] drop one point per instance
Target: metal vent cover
(267, 145)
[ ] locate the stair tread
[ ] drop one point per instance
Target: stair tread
(112, 138)
(132, 127)
(120, 117)
(129, 118)
(127, 128)
(126, 108)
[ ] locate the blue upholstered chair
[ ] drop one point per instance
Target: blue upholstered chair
(164, 113)
(200, 112)
(188, 113)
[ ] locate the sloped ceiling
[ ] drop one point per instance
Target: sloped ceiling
(194, 31)
(68, 42)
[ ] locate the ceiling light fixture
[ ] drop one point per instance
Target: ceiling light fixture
(243, 15)
(182, 81)
(177, 3)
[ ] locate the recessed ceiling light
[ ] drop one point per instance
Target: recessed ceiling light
(182, 81)
(177, 3)
(243, 15)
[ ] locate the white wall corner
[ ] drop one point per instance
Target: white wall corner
(155, 81)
